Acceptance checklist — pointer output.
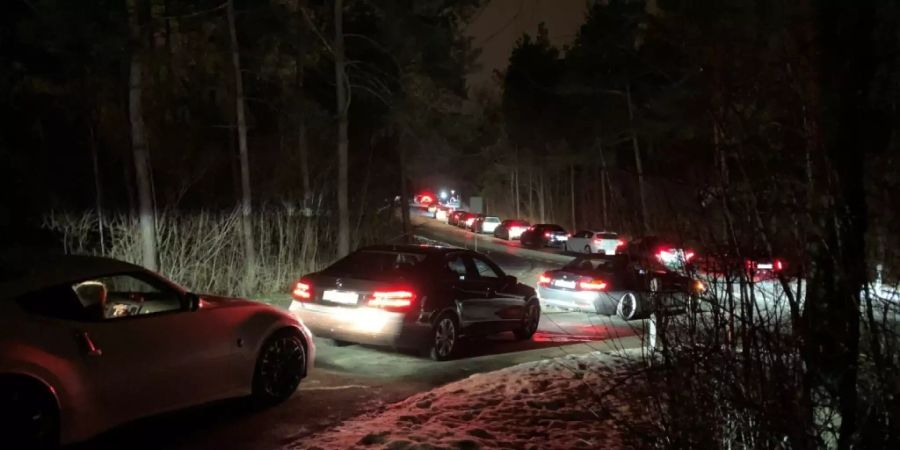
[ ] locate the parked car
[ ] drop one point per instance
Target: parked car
(616, 285)
(417, 297)
(88, 343)
(656, 251)
(466, 220)
(511, 229)
(587, 241)
(728, 264)
(544, 235)
(486, 224)
(453, 218)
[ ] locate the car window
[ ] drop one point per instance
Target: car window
(582, 234)
(457, 264)
(57, 302)
(484, 269)
(492, 219)
(372, 262)
(595, 264)
(126, 295)
(608, 235)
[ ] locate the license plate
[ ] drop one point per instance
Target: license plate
(346, 298)
(564, 284)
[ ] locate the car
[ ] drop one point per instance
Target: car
(727, 264)
(89, 343)
(511, 229)
(415, 297)
(486, 224)
(587, 241)
(544, 235)
(616, 285)
(470, 221)
(465, 220)
(661, 253)
(453, 218)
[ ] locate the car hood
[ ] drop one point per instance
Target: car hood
(213, 301)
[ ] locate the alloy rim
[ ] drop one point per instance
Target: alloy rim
(531, 318)
(445, 337)
(282, 366)
(626, 306)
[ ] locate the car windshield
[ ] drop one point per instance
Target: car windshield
(376, 263)
(595, 263)
(492, 219)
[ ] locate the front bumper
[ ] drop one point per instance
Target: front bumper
(363, 325)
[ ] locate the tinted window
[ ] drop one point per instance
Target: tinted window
(371, 262)
(608, 235)
(457, 265)
(484, 269)
(58, 302)
(583, 234)
(594, 264)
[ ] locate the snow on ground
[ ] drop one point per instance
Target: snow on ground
(562, 403)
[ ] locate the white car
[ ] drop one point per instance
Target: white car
(601, 242)
(89, 343)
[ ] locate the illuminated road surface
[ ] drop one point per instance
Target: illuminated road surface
(355, 379)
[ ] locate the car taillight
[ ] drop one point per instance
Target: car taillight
(688, 255)
(593, 285)
(779, 265)
(470, 221)
(699, 286)
(391, 299)
(546, 234)
(544, 279)
(665, 255)
(620, 243)
(302, 290)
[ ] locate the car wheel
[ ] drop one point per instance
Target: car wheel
(29, 417)
(279, 368)
(587, 249)
(627, 308)
(444, 338)
(530, 321)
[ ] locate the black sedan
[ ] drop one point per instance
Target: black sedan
(511, 229)
(544, 235)
(418, 297)
(617, 285)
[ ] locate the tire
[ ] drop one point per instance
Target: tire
(628, 307)
(530, 321)
(280, 366)
(587, 249)
(444, 338)
(29, 415)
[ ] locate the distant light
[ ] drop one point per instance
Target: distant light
(443, 195)
(452, 191)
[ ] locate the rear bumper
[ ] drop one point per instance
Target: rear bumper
(362, 325)
(603, 303)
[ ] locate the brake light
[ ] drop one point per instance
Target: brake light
(302, 291)
(620, 243)
(426, 199)
(593, 285)
(665, 255)
(391, 299)
(546, 234)
(544, 279)
(779, 265)
(688, 255)
(470, 221)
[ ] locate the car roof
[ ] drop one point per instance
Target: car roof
(21, 275)
(411, 248)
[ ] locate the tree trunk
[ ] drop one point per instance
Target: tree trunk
(572, 193)
(516, 181)
(302, 142)
(604, 179)
(637, 160)
(146, 214)
(246, 207)
(541, 195)
(98, 186)
(340, 82)
(404, 197)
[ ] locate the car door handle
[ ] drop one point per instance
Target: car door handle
(90, 348)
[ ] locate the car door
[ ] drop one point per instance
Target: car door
(578, 241)
(503, 307)
(150, 353)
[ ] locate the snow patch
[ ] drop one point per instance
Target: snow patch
(576, 401)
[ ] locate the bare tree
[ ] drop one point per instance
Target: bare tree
(343, 105)
(246, 206)
(146, 214)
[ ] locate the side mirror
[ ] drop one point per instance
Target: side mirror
(193, 301)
